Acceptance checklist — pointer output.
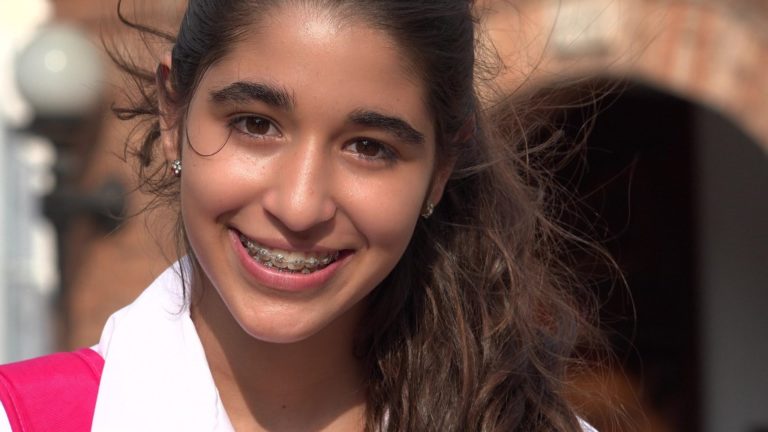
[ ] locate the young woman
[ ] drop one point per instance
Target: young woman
(362, 252)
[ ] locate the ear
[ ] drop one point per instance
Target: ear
(445, 168)
(169, 135)
(440, 178)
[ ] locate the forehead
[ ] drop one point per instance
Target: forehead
(324, 55)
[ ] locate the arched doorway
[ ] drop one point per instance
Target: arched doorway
(680, 198)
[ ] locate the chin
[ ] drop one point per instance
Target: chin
(280, 336)
(293, 325)
(273, 328)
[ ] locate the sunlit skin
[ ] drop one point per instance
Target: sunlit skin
(329, 147)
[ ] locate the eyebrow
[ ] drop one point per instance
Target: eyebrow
(389, 124)
(247, 91)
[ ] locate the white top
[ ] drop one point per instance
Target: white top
(156, 377)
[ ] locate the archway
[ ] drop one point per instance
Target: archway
(679, 190)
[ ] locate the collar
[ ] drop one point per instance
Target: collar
(156, 377)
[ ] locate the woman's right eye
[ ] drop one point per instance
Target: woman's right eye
(254, 126)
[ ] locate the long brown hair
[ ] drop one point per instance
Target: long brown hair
(476, 326)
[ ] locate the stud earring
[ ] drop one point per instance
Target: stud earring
(176, 168)
(428, 211)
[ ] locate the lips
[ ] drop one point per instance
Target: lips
(291, 261)
(266, 273)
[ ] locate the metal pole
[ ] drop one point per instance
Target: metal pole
(4, 228)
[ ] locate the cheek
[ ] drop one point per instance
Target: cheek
(386, 210)
(208, 195)
(201, 203)
(214, 186)
(205, 195)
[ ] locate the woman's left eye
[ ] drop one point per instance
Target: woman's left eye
(254, 126)
(370, 149)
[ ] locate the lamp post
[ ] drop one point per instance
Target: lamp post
(60, 74)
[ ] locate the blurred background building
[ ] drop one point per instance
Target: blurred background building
(675, 170)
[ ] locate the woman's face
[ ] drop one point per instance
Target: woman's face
(328, 162)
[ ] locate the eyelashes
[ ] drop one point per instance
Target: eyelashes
(256, 127)
(371, 150)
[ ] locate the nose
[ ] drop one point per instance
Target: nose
(301, 196)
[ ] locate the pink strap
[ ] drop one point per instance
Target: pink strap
(56, 392)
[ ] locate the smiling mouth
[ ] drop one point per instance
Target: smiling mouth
(287, 261)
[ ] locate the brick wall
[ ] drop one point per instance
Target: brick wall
(711, 52)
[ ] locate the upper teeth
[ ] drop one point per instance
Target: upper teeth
(295, 261)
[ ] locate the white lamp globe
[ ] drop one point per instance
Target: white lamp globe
(60, 72)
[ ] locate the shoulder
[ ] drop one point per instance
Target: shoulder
(33, 374)
(71, 380)
(48, 390)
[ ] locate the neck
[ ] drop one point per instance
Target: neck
(314, 384)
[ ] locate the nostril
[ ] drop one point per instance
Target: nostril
(300, 213)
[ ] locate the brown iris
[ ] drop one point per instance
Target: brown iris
(368, 148)
(256, 125)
